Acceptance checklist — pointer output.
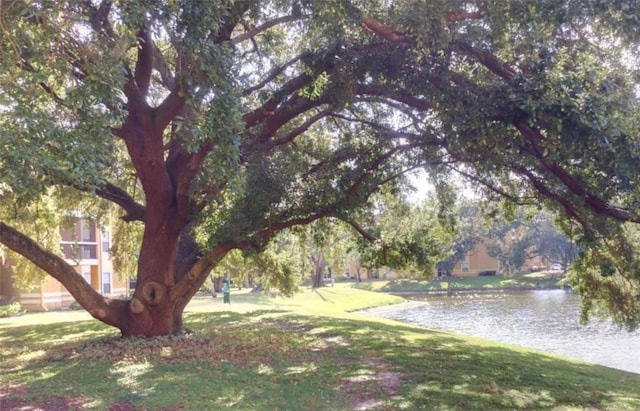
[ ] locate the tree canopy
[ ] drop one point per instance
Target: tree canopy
(220, 123)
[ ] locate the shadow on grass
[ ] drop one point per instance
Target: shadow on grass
(443, 370)
(268, 359)
(196, 320)
(363, 286)
(47, 334)
(322, 297)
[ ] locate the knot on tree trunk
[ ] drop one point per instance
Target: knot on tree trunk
(153, 292)
(136, 306)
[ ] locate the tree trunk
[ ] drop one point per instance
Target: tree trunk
(155, 309)
(317, 280)
(213, 289)
(6, 279)
(316, 274)
(317, 267)
(158, 301)
(217, 284)
(152, 309)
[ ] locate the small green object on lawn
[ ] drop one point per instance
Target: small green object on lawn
(226, 292)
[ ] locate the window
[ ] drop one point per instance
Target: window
(88, 252)
(79, 251)
(105, 241)
(88, 231)
(106, 283)
(464, 266)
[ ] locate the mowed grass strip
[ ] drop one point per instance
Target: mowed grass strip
(538, 280)
(301, 353)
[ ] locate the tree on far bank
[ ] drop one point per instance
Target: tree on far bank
(513, 235)
(468, 230)
(551, 244)
(403, 237)
(323, 245)
(218, 124)
(510, 239)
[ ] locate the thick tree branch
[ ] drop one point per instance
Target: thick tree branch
(263, 112)
(25, 65)
(543, 189)
(183, 166)
(374, 26)
(136, 102)
(274, 227)
(454, 16)
(98, 306)
(170, 107)
(231, 20)
(361, 230)
(488, 60)
(291, 135)
(491, 187)
(199, 271)
(259, 29)
(160, 65)
(394, 104)
(276, 118)
(390, 134)
(144, 63)
(186, 177)
(395, 94)
(293, 108)
(596, 203)
(273, 74)
(354, 190)
(108, 191)
(135, 211)
(273, 118)
(99, 17)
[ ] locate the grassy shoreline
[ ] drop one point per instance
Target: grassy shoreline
(533, 281)
(309, 352)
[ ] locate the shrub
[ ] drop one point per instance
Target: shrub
(487, 273)
(10, 309)
(75, 306)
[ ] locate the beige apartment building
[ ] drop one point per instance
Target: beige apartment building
(85, 245)
(479, 260)
(476, 261)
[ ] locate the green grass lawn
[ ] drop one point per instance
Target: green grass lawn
(303, 353)
(539, 280)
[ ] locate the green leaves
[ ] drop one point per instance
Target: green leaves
(409, 239)
(242, 119)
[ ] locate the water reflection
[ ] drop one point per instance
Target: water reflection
(544, 320)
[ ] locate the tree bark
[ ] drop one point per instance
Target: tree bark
(151, 311)
(317, 261)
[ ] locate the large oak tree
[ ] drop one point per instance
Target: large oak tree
(218, 124)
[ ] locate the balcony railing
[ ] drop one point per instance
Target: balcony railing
(79, 251)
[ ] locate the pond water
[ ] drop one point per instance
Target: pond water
(545, 320)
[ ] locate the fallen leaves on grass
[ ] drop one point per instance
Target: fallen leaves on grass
(15, 397)
(261, 345)
(374, 382)
(248, 342)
